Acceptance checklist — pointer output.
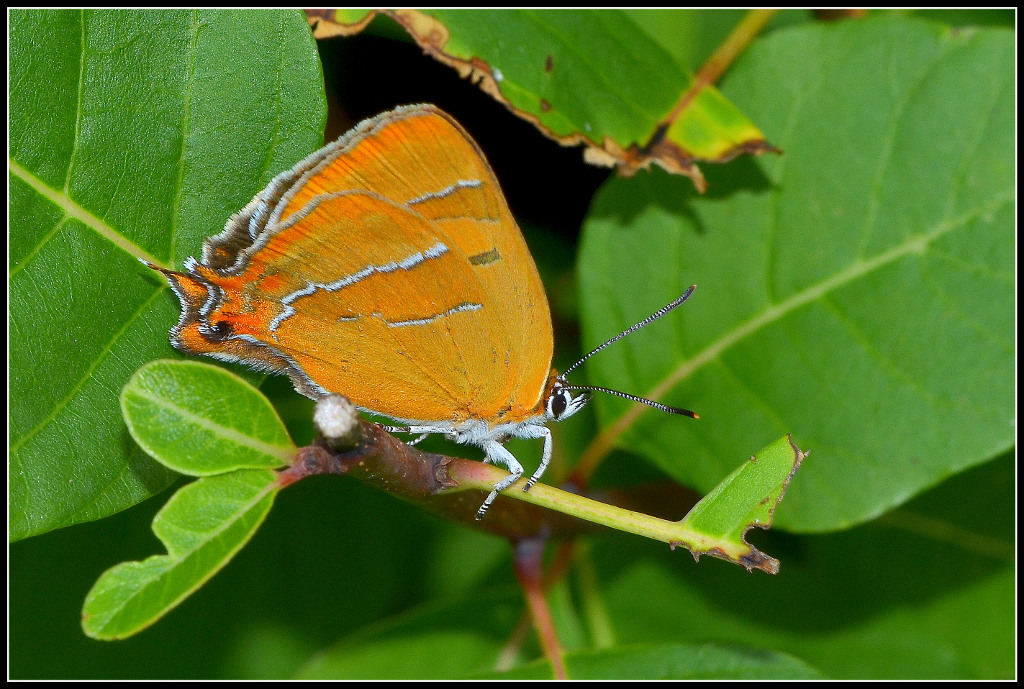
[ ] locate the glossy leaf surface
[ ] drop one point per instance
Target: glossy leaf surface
(133, 134)
(856, 292)
(200, 420)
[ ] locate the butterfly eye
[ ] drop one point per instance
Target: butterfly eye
(558, 403)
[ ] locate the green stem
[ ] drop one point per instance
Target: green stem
(479, 476)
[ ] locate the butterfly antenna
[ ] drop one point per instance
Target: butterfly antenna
(643, 400)
(653, 317)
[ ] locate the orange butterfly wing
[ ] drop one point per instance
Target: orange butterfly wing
(386, 267)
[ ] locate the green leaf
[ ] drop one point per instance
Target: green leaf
(467, 638)
(592, 87)
(745, 498)
(857, 292)
(442, 640)
(198, 419)
(574, 73)
(133, 133)
(692, 36)
(671, 661)
(202, 526)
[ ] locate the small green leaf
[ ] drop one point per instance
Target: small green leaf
(715, 526)
(202, 526)
(745, 498)
(200, 419)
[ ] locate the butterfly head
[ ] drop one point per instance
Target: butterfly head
(562, 403)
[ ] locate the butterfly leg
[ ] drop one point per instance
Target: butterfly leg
(408, 429)
(544, 459)
(496, 454)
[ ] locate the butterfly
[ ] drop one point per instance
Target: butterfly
(388, 268)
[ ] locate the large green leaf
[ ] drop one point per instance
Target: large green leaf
(467, 637)
(583, 76)
(442, 640)
(577, 71)
(857, 292)
(131, 134)
(671, 661)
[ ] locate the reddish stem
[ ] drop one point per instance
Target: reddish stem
(529, 566)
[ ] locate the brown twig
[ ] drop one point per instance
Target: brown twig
(375, 457)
